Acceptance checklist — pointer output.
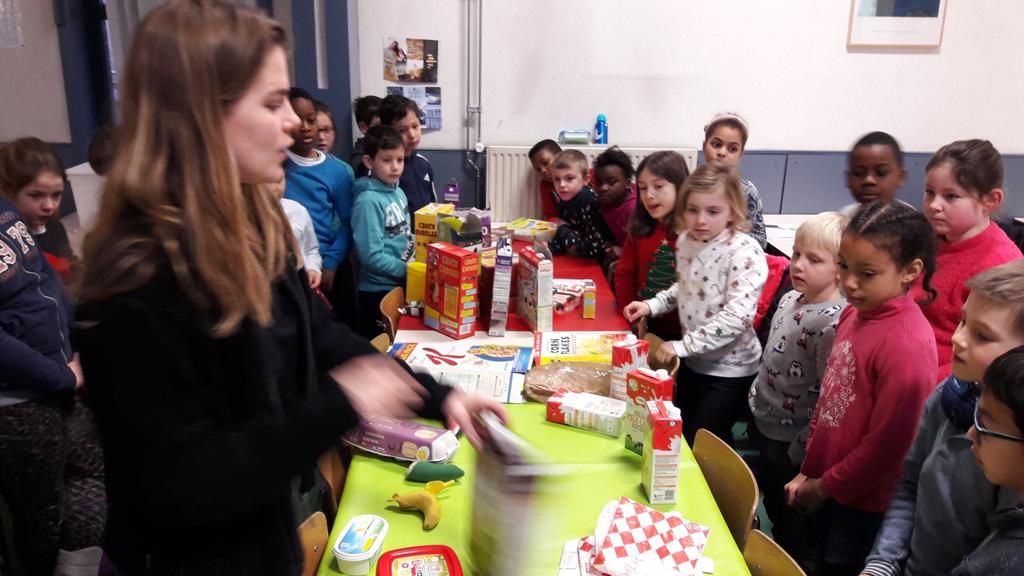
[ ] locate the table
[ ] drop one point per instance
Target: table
(598, 469)
(781, 230)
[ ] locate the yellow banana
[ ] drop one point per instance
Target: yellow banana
(423, 501)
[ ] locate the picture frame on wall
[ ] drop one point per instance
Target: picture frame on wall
(896, 23)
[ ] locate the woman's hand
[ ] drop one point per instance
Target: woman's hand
(462, 409)
(376, 385)
(635, 311)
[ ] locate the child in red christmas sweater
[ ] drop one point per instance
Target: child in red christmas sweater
(647, 264)
(881, 370)
(963, 186)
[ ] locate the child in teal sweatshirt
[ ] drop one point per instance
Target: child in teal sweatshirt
(380, 225)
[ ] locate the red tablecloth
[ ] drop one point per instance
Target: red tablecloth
(608, 317)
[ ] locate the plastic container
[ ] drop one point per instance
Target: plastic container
(360, 543)
(601, 130)
(575, 136)
(439, 559)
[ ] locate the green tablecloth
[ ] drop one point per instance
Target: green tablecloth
(598, 469)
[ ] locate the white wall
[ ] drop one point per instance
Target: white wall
(660, 68)
(32, 101)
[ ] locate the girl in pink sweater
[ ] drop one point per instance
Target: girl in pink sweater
(963, 187)
(881, 370)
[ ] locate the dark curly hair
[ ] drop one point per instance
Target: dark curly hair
(904, 233)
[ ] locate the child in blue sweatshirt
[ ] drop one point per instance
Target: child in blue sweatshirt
(380, 224)
(323, 185)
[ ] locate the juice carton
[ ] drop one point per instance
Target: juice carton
(425, 225)
(590, 300)
(627, 355)
(450, 297)
(586, 410)
(659, 467)
(642, 386)
(534, 304)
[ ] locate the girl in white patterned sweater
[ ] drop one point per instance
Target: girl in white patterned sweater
(720, 272)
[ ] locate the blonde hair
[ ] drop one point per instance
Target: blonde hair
(824, 230)
(708, 179)
(173, 191)
(571, 160)
(1003, 285)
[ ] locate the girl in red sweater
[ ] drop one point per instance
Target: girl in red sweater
(881, 370)
(963, 186)
(647, 264)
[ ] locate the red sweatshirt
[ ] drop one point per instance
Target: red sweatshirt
(880, 372)
(548, 207)
(636, 280)
(956, 263)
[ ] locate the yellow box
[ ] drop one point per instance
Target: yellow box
(426, 222)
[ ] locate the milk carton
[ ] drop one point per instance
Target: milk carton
(659, 468)
(627, 355)
(585, 410)
(643, 385)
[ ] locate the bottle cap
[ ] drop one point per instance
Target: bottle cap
(601, 117)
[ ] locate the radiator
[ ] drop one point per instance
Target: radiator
(512, 183)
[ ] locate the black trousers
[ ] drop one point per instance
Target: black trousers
(370, 325)
(711, 402)
(343, 294)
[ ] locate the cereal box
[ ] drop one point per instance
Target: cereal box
(628, 355)
(532, 230)
(586, 410)
(534, 304)
(450, 297)
(426, 221)
(501, 288)
(659, 467)
(643, 385)
(575, 346)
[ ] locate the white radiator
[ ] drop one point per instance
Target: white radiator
(512, 183)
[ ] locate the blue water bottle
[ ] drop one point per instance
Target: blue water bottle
(601, 130)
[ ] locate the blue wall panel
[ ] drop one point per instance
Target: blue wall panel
(768, 172)
(814, 183)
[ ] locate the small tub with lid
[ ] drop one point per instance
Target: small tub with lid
(435, 560)
(360, 543)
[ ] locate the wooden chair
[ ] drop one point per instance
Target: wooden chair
(389, 310)
(332, 467)
(671, 367)
(765, 557)
(731, 482)
(381, 342)
(313, 539)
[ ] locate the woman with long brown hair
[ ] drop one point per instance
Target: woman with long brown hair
(215, 374)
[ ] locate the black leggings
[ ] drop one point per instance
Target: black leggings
(711, 402)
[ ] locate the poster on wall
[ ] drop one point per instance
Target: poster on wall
(896, 23)
(410, 60)
(10, 24)
(428, 98)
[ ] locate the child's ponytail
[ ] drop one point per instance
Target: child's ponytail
(904, 233)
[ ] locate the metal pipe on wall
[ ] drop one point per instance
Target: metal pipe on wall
(472, 149)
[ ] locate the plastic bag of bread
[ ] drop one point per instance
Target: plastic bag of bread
(543, 381)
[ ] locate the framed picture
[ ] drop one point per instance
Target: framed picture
(896, 23)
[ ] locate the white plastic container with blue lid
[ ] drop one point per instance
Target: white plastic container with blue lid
(359, 543)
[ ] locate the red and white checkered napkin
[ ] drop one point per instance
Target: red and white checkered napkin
(640, 533)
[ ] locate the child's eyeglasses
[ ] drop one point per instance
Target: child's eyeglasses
(986, 432)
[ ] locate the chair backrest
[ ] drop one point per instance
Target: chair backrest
(731, 482)
(332, 468)
(765, 557)
(381, 342)
(313, 539)
(389, 310)
(656, 342)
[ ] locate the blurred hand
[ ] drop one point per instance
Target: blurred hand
(462, 409)
(665, 353)
(376, 385)
(636, 310)
(76, 368)
(314, 278)
(327, 282)
(791, 489)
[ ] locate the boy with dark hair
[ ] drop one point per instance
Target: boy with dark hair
(417, 180)
(380, 224)
(323, 185)
(998, 438)
(541, 156)
(367, 112)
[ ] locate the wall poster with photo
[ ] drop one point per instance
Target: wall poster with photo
(896, 23)
(428, 98)
(410, 60)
